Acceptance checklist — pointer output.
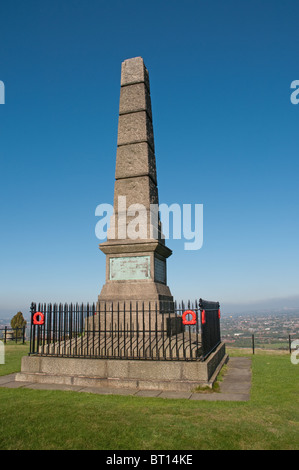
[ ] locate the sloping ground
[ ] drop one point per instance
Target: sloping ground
(180, 346)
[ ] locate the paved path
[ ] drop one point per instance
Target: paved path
(235, 386)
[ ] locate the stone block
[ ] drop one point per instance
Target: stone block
(135, 127)
(155, 370)
(194, 371)
(138, 190)
(135, 98)
(135, 160)
(118, 369)
(134, 71)
(143, 290)
(73, 366)
(30, 364)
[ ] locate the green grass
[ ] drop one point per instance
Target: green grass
(13, 355)
(35, 419)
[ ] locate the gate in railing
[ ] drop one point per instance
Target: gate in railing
(210, 326)
(131, 330)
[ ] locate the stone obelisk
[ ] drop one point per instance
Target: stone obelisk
(135, 252)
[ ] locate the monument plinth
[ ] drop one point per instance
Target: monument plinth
(135, 249)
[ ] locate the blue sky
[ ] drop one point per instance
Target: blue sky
(226, 136)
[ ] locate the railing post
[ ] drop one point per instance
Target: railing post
(32, 329)
(252, 344)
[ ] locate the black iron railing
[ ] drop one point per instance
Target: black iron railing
(131, 330)
(13, 334)
(210, 326)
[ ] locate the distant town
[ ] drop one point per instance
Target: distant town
(271, 329)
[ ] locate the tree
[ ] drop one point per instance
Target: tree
(18, 321)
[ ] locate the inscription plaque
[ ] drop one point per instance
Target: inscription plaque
(130, 268)
(160, 270)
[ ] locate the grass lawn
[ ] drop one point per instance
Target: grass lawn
(13, 355)
(35, 419)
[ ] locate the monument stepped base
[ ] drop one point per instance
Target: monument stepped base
(123, 373)
(160, 347)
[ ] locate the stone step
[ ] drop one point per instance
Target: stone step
(125, 346)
